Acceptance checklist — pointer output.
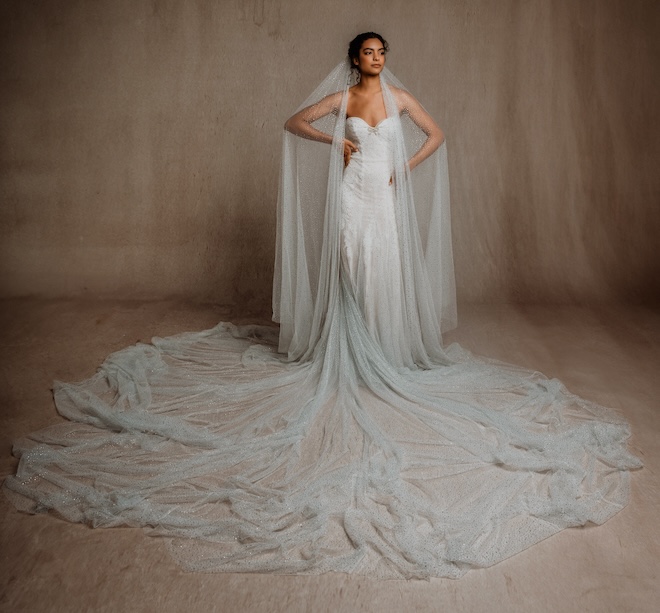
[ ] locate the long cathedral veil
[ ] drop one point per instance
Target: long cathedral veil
(330, 457)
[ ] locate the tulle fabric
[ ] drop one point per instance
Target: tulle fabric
(331, 446)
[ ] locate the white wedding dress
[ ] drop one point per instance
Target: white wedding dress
(366, 457)
(370, 245)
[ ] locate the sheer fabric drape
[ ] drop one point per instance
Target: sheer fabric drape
(341, 453)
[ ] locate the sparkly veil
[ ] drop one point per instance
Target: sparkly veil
(329, 455)
(306, 280)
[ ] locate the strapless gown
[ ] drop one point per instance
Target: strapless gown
(361, 463)
(370, 244)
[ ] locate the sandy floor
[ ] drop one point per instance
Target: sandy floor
(610, 355)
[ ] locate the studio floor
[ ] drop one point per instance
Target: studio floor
(609, 354)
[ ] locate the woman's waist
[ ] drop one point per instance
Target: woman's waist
(370, 161)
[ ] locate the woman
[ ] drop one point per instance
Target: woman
(366, 447)
(365, 220)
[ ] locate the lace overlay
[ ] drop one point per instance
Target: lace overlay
(370, 241)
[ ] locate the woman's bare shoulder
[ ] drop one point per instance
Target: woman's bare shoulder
(334, 98)
(402, 96)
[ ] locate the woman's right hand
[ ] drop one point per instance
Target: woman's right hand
(349, 149)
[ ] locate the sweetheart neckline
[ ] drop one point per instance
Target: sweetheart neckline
(366, 123)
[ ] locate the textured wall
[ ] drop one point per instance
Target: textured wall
(140, 140)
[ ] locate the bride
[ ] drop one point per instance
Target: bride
(371, 239)
(351, 441)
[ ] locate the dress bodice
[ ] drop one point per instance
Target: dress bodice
(374, 142)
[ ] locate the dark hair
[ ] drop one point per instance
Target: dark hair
(356, 44)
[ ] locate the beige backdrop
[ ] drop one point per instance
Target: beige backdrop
(141, 140)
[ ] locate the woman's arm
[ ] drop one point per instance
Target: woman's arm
(435, 136)
(300, 124)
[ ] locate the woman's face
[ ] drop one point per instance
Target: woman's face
(372, 57)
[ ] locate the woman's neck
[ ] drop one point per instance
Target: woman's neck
(368, 84)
